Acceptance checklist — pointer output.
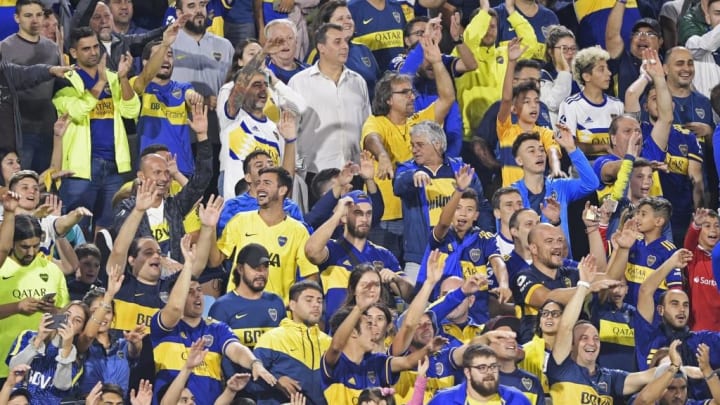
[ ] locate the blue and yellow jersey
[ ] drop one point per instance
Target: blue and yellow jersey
(526, 383)
(592, 16)
(41, 277)
(458, 395)
(507, 133)
(342, 258)
(136, 303)
(617, 335)
(294, 349)
(396, 140)
(42, 370)
(683, 147)
(536, 360)
(693, 108)
(215, 17)
(269, 12)
(379, 30)
(541, 22)
(573, 384)
(163, 120)
(643, 259)
(464, 258)
(282, 74)
(528, 281)
(344, 382)
(285, 242)
(102, 120)
(8, 26)
(440, 375)
(171, 347)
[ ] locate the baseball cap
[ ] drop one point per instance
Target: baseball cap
(651, 23)
(358, 197)
(253, 255)
(509, 321)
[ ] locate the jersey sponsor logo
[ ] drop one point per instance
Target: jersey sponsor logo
(240, 316)
(368, 21)
(592, 399)
(274, 259)
(41, 380)
(704, 281)
(144, 319)
(29, 292)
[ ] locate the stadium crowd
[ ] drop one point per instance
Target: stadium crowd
(367, 203)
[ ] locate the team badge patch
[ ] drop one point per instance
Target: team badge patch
(217, 56)
(700, 112)
(683, 149)
(439, 368)
(282, 240)
(371, 377)
(273, 314)
(44, 277)
(366, 61)
(567, 282)
(177, 93)
(475, 255)
(396, 16)
(651, 260)
(208, 340)
(527, 383)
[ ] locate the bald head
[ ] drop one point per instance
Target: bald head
(542, 230)
(450, 284)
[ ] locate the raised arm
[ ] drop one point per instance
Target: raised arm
(463, 178)
(209, 215)
(156, 60)
(711, 377)
(514, 53)
(653, 382)
(288, 130)
(116, 275)
(613, 40)
(172, 312)
(316, 249)
(143, 200)
(563, 341)
(7, 229)
(365, 298)
(443, 81)
(661, 129)
(195, 357)
(467, 60)
(646, 300)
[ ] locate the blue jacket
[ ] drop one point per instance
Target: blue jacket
(458, 395)
(416, 207)
(565, 191)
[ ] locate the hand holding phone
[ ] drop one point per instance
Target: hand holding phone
(48, 297)
(57, 321)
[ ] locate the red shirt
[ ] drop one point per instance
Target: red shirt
(702, 287)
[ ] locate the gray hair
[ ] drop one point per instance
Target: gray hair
(434, 133)
(281, 21)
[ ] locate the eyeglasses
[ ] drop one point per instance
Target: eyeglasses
(566, 48)
(649, 34)
(406, 92)
(486, 368)
(555, 314)
(418, 33)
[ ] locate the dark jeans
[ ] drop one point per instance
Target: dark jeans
(95, 194)
(36, 152)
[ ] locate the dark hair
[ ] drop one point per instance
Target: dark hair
(407, 31)
(513, 222)
(283, 177)
(709, 3)
(471, 194)
(108, 388)
(321, 33)
(154, 149)
(527, 63)
(501, 192)
(252, 155)
(87, 249)
(375, 394)
(525, 136)
(339, 317)
(95, 293)
(383, 91)
(79, 33)
(474, 351)
(328, 9)
(641, 162)
(659, 205)
(147, 49)
(26, 227)
(22, 174)
(715, 98)
(134, 248)
(3, 153)
(241, 187)
(524, 88)
(538, 330)
(321, 178)
(355, 276)
(239, 52)
(298, 288)
(22, 3)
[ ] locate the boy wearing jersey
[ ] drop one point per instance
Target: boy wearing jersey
(701, 239)
(271, 227)
(573, 372)
(248, 310)
(179, 324)
(613, 318)
(32, 284)
(588, 114)
(379, 26)
(642, 257)
(163, 116)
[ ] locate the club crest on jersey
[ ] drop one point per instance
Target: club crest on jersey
(527, 383)
(567, 282)
(208, 340)
(396, 16)
(282, 240)
(366, 61)
(500, 60)
(683, 149)
(371, 377)
(603, 386)
(651, 260)
(44, 277)
(475, 255)
(217, 56)
(700, 112)
(177, 93)
(439, 368)
(273, 314)
(164, 296)
(554, 195)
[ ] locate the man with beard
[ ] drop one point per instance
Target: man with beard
(95, 145)
(481, 386)
(336, 258)
(201, 58)
(285, 349)
(163, 117)
(248, 310)
(271, 227)
(28, 47)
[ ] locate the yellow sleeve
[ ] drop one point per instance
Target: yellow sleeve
(228, 240)
(503, 127)
(306, 268)
(370, 126)
(619, 188)
(476, 30)
(548, 140)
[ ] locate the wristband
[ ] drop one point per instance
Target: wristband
(287, 141)
(252, 363)
(458, 41)
(583, 284)
(460, 190)
(713, 374)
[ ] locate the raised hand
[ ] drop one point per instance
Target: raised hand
(125, 65)
(172, 166)
(18, 373)
(238, 382)
(367, 166)
(343, 206)
(629, 235)
(171, 32)
(703, 359)
(699, 217)
(116, 276)
(515, 50)
(210, 213)
(456, 28)
(347, 172)
(145, 194)
(288, 125)
(674, 354)
(561, 64)
(431, 50)
(365, 297)
(473, 284)
(188, 248)
(102, 68)
(199, 121)
(587, 268)
(590, 215)
(196, 355)
(680, 258)
(144, 394)
(464, 177)
(51, 206)
(423, 366)
(274, 45)
(565, 138)
(66, 332)
(10, 201)
(434, 268)
(653, 66)
(93, 398)
(437, 343)
(421, 179)
(551, 210)
(135, 336)
(61, 125)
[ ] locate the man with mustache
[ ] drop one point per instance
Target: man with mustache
(482, 386)
(249, 310)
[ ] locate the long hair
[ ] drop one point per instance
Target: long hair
(383, 92)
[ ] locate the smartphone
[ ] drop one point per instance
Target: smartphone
(58, 321)
(592, 215)
(48, 297)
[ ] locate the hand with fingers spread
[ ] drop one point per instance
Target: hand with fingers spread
(172, 165)
(551, 210)
(10, 201)
(680, 258)
(136, 335)
(144, 394)
(431, 50)
(172, 30)
(515, 49)
(365, 297)
(565, 138)
(210, 213)
(652, 65)
(116, 276)
(434, 268)
(188, 248)
(464, 177)
(347, 172)
(196, 356)
(93, 398)
(199, 121)
(288, 125)
(145, 195)
(51, 206)
(238, 382)
(421, 179)
(629, 235)
(700, 216)
(367, 166)
(126, 61)
(587, 268)
(289, 386)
